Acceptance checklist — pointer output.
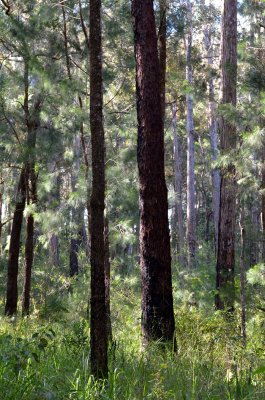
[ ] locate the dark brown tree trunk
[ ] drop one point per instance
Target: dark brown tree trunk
(33, 123)
(157, 301)
(226, 236)
(29, 246)
(74, 249)
(29, 253)
(14, 247)
(99, 334)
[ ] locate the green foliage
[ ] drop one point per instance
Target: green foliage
(42, 360)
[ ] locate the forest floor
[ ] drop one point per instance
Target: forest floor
(46, 356)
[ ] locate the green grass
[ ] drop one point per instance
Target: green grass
(46, 357)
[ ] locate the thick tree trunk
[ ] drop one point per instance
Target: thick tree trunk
(178, 190)
(227, 218)
(213, 134)
(14, 247)
(191, 212)
(157, 302)
(99, 334)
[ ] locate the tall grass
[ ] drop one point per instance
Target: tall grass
(46, 357)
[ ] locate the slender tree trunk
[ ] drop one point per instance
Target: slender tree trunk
(191, 212)
(29, 246)
(213, 133)
(14, 247)
(157, 301)
(162, 52)
(226, 236)
(54, 253)
(29, 253)
(242, 276)
(107, 278)
(99, 333)
(178, 189)
(1, 210)
(254, 252)
(263, 201)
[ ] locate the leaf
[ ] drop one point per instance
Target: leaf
(260, 370)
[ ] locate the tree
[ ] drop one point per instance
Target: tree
(213, 130)
(157, 302)
(226, 237)
(98, 335)
(191, 212)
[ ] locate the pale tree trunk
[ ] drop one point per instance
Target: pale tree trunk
(107, 278)
(76, 212)
(191, 212)
(178, 190)
(225, 266)
(242, 275)
(162, 52)
(213, 133)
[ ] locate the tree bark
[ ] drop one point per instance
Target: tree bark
(242, 276)
(98, 335)
(213, 134)
(226, 237)
(263, 201)
(107, 278)
(14, 247)
(157, 301)
(191, 212)
(178, 190)
(162, 51)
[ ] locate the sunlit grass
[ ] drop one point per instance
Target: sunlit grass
(43, 359)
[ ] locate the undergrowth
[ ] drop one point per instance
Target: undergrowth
(46, 356)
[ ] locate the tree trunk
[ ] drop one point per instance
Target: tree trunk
(162, 51)
(14, 247)
(107, 278)
(33, 123)
(98, 335)
(227, 218)
(242, 276)
(191, 213)
(29, 246)
(157, 301)
(213, 134)
(178, 189)
(263, 201)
